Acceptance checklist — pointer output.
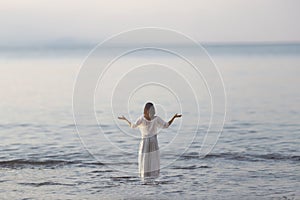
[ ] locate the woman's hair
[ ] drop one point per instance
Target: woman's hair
(150, 107)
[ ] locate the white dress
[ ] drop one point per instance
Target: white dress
(149, 159)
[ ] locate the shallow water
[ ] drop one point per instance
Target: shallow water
(257, 155)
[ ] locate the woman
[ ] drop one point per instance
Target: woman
(149, 160)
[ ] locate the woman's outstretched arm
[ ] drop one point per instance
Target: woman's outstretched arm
(125, 119)
(132, 125)
(175, 116)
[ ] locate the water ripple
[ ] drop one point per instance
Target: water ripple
(47, 183)
(244, 156)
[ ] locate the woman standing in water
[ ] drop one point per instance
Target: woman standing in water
(149, 160)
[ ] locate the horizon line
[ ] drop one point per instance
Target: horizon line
(83, 45)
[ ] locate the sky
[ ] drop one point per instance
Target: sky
(34, 22)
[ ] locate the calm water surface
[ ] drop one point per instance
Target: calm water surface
(256, 157)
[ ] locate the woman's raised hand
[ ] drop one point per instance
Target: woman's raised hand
(177, 115)
(122, 117)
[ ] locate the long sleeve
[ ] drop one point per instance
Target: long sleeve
(161, 123)
(137, 123)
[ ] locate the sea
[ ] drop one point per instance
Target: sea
(254, 152)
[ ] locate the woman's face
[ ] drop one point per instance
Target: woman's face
(149, 113)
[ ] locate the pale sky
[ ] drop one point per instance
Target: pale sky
(34, 22)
